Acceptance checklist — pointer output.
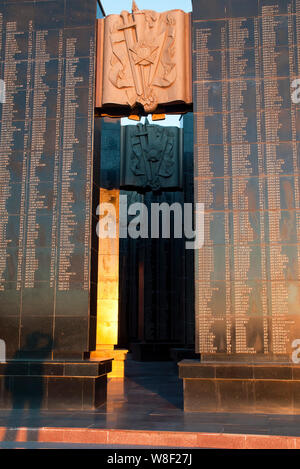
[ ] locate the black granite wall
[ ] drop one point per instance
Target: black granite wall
(246, 55)
(47, 54)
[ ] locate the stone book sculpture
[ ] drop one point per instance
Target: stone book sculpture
(144, 62)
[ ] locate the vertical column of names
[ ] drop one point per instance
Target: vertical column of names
(272, 107)
(36, 199)
(87, 235)
(261, 186)
(6, 140)
(26, 157)
(67, 202)
(55, 215)
(204, 194)
(241, 170)
(225, 128)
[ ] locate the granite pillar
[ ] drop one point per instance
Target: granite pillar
(108, 285)
(245, 58)
(47, 219)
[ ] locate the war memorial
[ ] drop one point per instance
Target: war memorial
(74, 303)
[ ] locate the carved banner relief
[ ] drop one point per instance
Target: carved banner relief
(143, 59)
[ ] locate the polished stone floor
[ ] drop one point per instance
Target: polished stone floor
(151, 398)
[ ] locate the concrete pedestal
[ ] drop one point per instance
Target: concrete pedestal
(77, 385)
(239, 387)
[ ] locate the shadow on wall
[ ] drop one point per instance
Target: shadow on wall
(27, 392)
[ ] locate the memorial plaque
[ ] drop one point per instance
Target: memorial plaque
(47, 54)
(246, 55)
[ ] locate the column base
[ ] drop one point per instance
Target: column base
(269, 388)
(53, 385)
(118, 356)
